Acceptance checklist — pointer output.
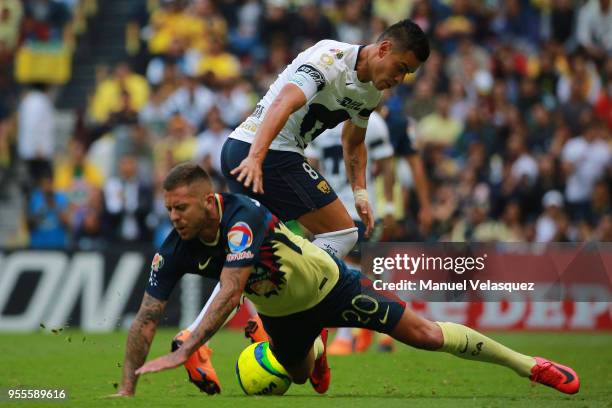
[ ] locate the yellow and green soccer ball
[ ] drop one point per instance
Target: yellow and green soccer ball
(259, 373)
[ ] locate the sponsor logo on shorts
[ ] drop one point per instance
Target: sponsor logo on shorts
(157, 263)
(324, 187)
(239, 237)
(239, 256)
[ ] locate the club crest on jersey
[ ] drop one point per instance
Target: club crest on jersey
(324, 187)
(158, 262)
(239, 237)
(337, 53)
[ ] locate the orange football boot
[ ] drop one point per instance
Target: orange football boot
(555, 375)
(254, 330)
(199, 366)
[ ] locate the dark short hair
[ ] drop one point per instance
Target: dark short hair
(406, 35)
(184, 174)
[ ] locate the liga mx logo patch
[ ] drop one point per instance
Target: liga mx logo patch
(158, 262)
(239, 237)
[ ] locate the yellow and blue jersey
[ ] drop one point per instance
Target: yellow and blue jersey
(290, 274)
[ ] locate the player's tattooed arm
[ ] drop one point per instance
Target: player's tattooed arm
(355, 154)
(355, 160)
(233, 281)
(139, 340)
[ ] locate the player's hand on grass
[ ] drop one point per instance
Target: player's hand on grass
(249, 173)
(166, 362)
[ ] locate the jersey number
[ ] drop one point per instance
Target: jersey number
(317, 119)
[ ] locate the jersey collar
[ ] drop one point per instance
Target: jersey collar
(220, 205)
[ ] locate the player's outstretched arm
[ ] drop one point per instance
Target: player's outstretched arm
(249, 173)
(233, 281)
(355, 160)
(139, 341)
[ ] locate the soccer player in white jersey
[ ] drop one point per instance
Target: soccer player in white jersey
(325, 85)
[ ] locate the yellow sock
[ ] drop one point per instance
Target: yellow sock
(318, 347)
(467, 343)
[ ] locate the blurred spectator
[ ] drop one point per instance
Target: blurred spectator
(468, 59)
(422, 14)
(352, 27)
(583, 76)
(153, 114)
(311, 26)
(172, 22)
(585, 159)
(276, 23)
(562, 20)
(244, 37)
(546, 225)
(218, 66)
(439, 128)
(517, 21)
(600, 202)
(456, 22)
(111, 93)
(192, 101)
(214, 24)
(87, 224)
(45, 20)
(423, 102)
(594, 28)
(11, 12)
(127, 202)
(36, 131)
(173, 59)
(48, 216)
(178, 145)
(210, 142)
(235, 102)
(390, 10)
(77, 176)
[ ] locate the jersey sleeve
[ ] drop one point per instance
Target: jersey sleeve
(317, 70)
(165, 273)
(361, 117)
(309, 79)
(245, 233)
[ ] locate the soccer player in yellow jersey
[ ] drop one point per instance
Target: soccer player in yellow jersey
(299, 289)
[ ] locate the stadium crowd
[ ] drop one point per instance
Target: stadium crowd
(512, 114)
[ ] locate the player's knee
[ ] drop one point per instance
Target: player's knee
(338, 243)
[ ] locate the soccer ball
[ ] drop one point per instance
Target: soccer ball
(259, 373)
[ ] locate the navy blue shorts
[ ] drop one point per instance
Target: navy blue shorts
(292, 187)
(353, 302)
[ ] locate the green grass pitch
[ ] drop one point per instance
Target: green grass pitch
(88, 367)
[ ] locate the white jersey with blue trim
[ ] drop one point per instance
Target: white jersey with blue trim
(326, 74)
(327, 149)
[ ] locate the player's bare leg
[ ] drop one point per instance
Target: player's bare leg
(467, 343)
(332, 227)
